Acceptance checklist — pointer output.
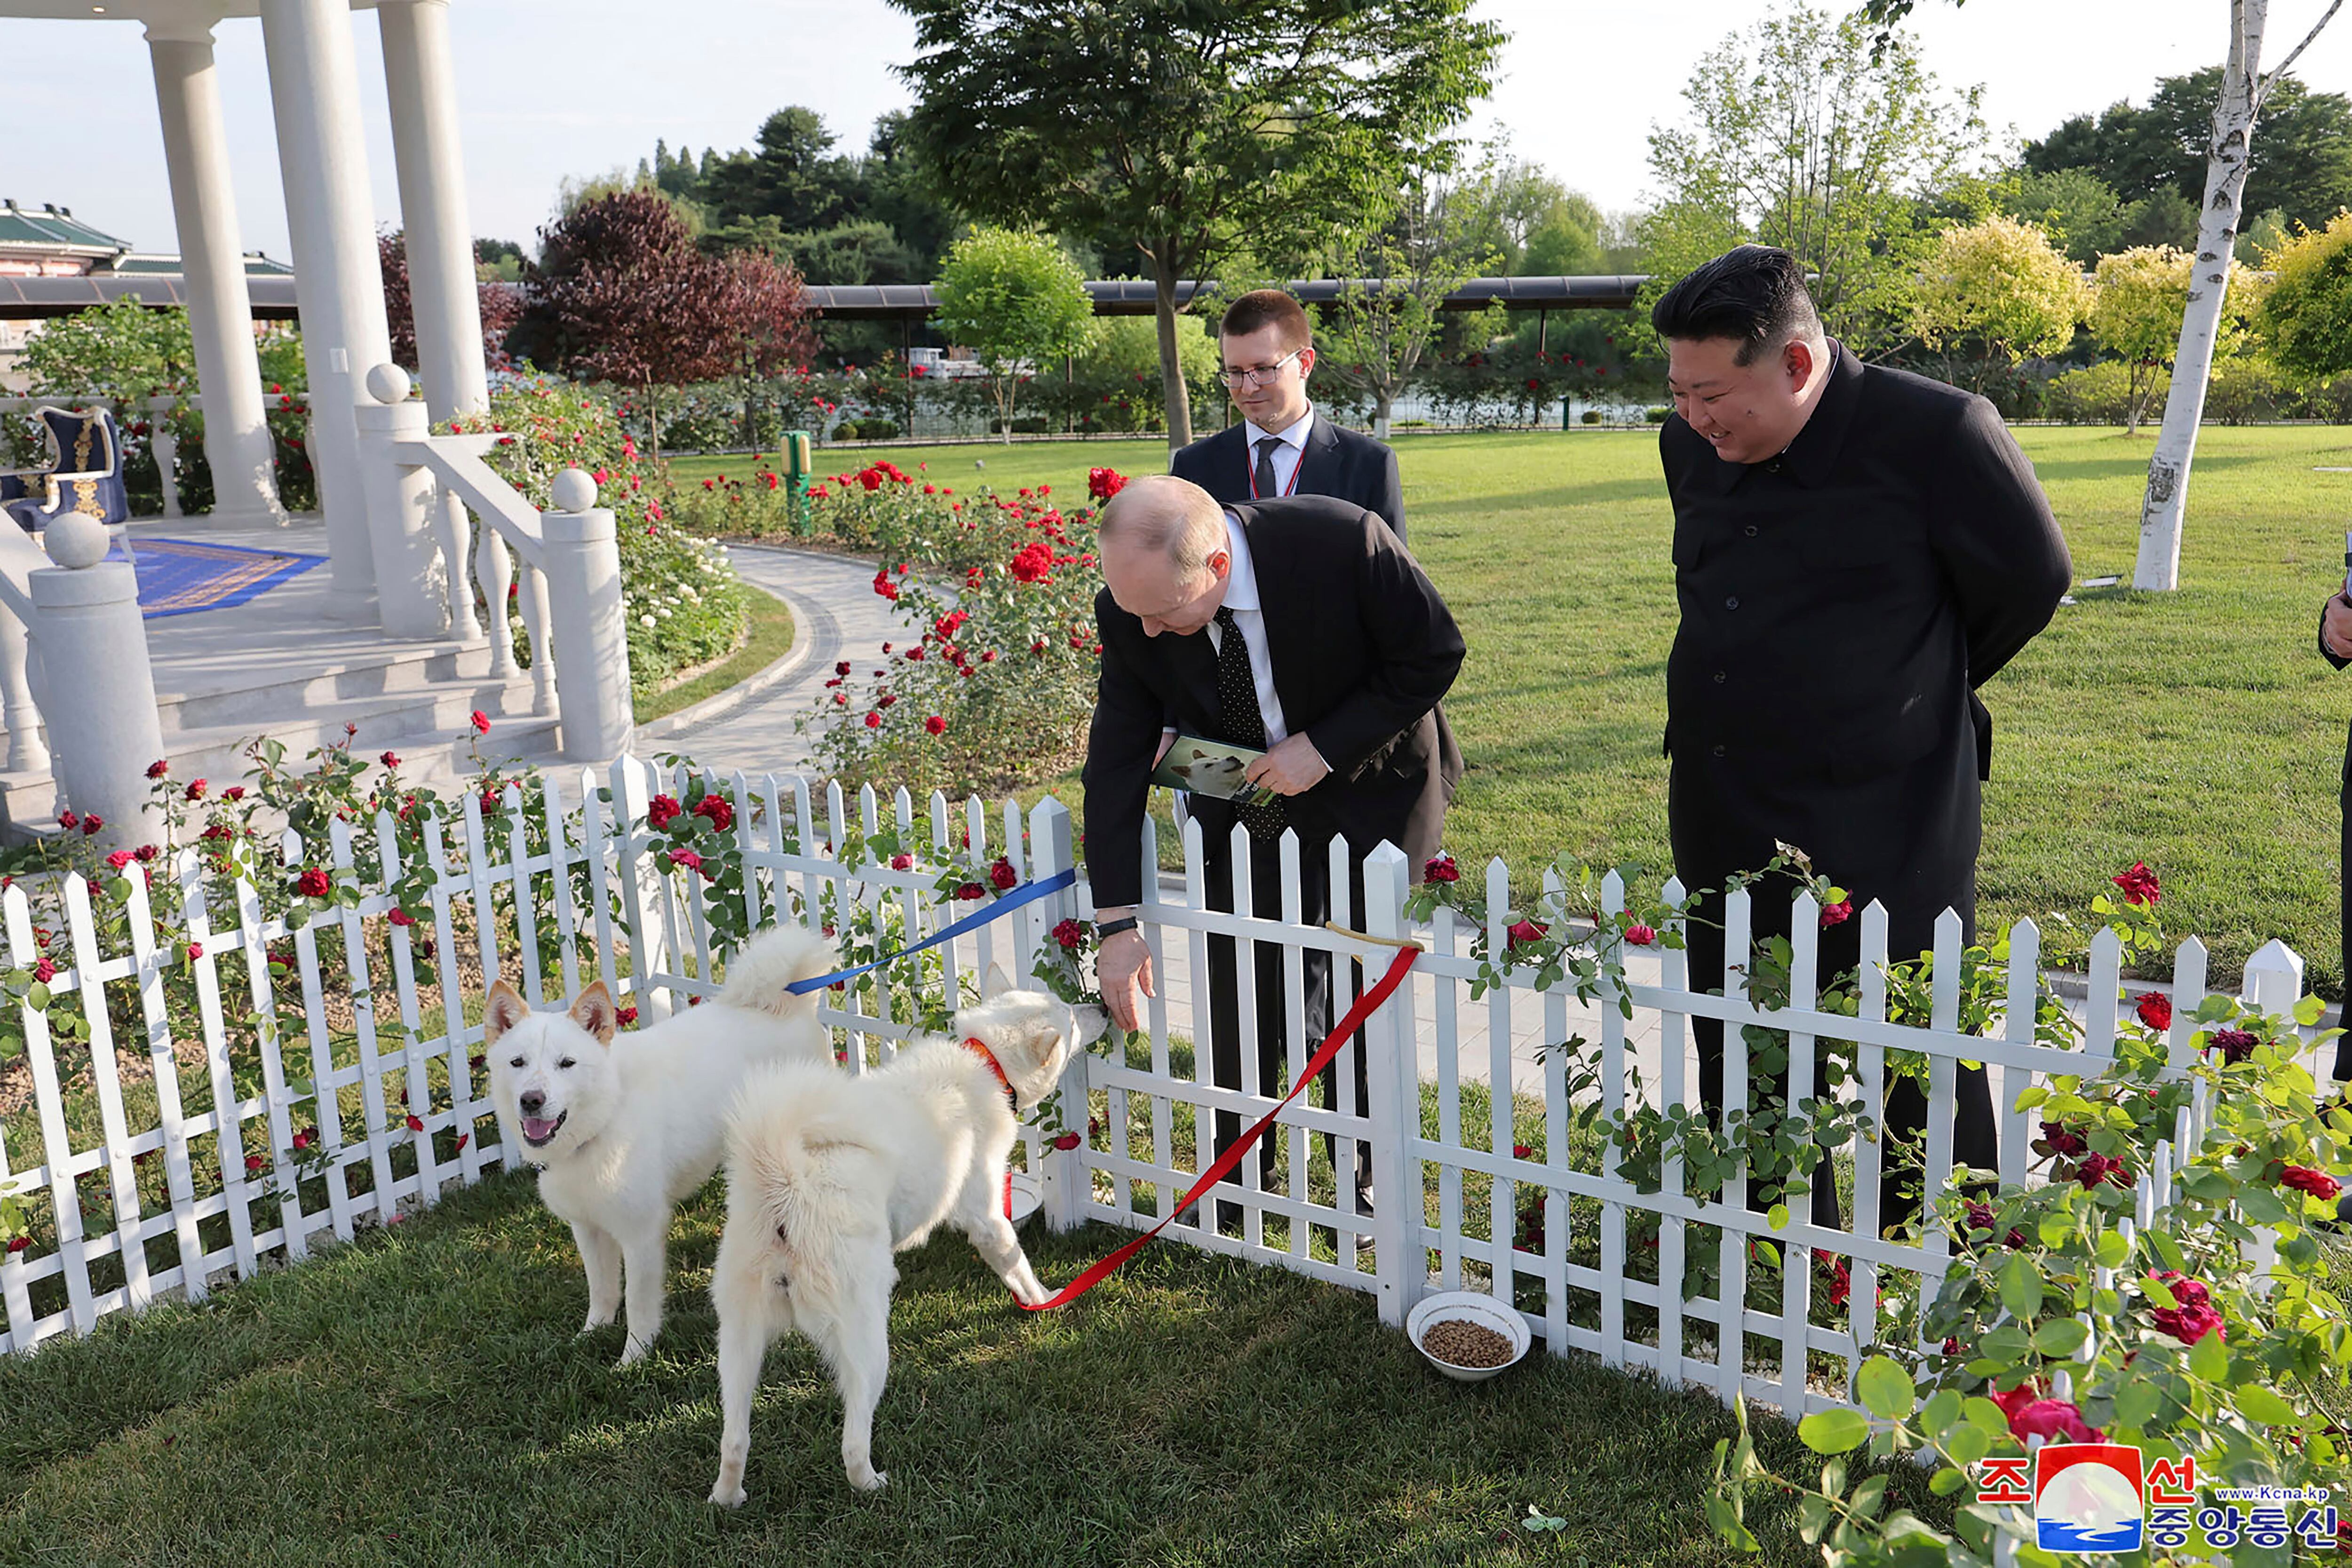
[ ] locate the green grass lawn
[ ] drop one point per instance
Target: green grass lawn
(419, 1398)
(2198, 730)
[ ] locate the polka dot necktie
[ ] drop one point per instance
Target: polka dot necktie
(1242, 721)
(1263, 487)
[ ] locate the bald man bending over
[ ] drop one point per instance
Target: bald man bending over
(1299, 626)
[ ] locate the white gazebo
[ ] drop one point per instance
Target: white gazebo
(395, 611)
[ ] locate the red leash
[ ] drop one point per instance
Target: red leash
(1366, 1005)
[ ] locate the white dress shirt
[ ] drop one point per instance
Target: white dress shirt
(1241, 598)
(1287, 456)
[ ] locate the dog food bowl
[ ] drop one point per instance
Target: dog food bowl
(1026, 1195)
(1468, 1306)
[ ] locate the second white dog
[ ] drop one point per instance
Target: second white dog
(626, 1129)
(828, 1174)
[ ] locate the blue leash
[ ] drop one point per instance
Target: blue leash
(973, 922)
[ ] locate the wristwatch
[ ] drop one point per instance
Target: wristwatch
(1105, 930)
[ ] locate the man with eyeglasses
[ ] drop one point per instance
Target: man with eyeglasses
(1283, 448)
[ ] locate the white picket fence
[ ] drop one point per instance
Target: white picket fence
(210, 1218)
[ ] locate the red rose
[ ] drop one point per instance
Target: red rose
(234, 792)
(841, 667)
(1521, 1152)
(1840, 1281)
(2317, 1183)
(936, 725)
(686, 858)
(873, 719)
(1002, 875)
(2052, 1419)
(2195, 1316)
(1440, 868)
(971, 890)
(400, 916)
(1033, 563)
(481, 722)
(2155, 1010)
(196, 789)
(1525, 931)
(463, 1139)
(902, 863)
(2140, 886)
(1070, 935)
(301, 1141)
(157, 769)
(195, 951)
(389, 759)
(1067, 1142)
(45, 971)
(626, 1017)
(91, 823)
(313, 884)
(65, 818)
(714, 810)
(18, 1243)
(660, 811)
(1102, 484)
(2234, 1044)
(2061, 1140)
(253, 1162)
(1837, 914)
(416, 1123)
(2096, 1169)
(1641, 935)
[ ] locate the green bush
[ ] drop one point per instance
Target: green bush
(2243, 389)
(1657, 415)
(2099, 394)
(1590, 416)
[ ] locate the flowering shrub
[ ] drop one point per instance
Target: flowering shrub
(2212, 1334)
(683, 602)
(996, 675)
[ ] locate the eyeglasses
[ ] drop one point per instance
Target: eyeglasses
(1260, 376)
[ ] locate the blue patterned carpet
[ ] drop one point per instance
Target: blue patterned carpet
(180, 577)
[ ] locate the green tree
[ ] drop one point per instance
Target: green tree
(1017, 302)
(122, 350)
(1799, 133)
(1528, 223)
(793, 176)
(2136, 300)
(2079, 211)
(1185, 129)
(1999, 286)
(1373, 337)
(2307, 316)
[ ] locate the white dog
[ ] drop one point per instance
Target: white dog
(828, 1174)
(623, 1130)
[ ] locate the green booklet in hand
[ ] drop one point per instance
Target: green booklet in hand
(1212, 767)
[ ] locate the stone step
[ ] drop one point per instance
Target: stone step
(260, 693)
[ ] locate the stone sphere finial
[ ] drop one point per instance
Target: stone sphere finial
(388, 383)
(574, 491)
(76, 540)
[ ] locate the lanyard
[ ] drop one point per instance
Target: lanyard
(1289, 490)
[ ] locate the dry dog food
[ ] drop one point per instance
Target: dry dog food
(1457, 1342)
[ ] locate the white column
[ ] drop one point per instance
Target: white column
(212, 255)
(585, 623)
(432, 173)
(439, 239)
(98, 685)
(314, 93)
(401, 497)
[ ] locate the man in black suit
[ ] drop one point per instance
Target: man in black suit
(1283, 448)
(1298, 626)
(1856, 550)
(2336, 645)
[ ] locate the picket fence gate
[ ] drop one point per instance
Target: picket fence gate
(234, 1196)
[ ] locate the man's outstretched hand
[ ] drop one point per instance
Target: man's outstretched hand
(1123, 971)
(1292, 767)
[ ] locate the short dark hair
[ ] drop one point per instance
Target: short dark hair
(1754, 295)
(1268, 308)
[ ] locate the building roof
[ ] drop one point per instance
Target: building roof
(1135, 296)
(52, 230)
(33, 298)
(149, 263)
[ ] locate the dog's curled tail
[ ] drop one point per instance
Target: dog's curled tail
(759, 974)
(801, 1168)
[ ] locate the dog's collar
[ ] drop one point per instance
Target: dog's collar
(979, 1048)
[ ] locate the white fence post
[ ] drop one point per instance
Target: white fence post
(1395, 1082)
(165, 447)
(1067, 1174)
(2273, 984)
(401, 500)
(99, 686)
(590, 636)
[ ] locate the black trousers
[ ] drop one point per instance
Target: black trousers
(1904, 1120)
(1270, 1075)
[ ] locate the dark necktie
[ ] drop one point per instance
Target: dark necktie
(1242, 721)
(1266, 489)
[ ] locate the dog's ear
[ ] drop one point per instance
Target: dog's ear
(501, 1012)
(594, 1011)
(995, 984)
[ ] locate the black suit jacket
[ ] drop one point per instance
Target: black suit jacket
(1362, 649)
(1336, 462)
(1840, 605)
